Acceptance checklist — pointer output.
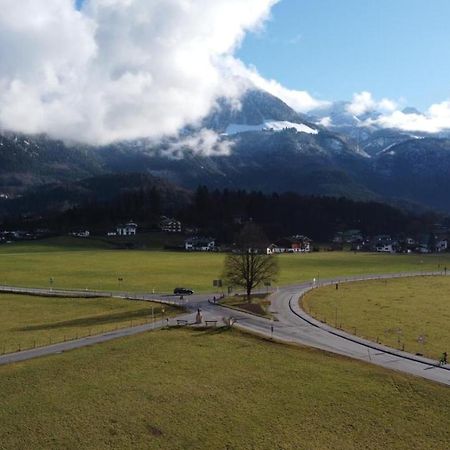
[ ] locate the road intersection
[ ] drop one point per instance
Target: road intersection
(293, 325)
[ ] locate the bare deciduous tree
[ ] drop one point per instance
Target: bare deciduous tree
(249, 265)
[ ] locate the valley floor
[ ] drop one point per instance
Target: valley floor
(409, 313)
(189, 389)
(30, 321)
(81, 264)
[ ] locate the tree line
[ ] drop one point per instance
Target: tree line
(222, 213)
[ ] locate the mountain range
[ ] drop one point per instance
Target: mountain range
(271, 148)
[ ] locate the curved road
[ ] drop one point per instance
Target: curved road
(293, 326)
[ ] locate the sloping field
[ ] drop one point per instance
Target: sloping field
(29, 321)
(409, 313)
(81, 264)
(185, 389)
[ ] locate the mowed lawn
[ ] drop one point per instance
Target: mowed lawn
(27, 321)
(86, 264)
(186, 389)
(414, 312)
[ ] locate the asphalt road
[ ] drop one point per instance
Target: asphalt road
(86, 341)
(293, 326)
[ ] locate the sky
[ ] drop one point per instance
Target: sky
(398, 49)
(101, 71)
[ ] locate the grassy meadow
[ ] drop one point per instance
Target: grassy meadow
(28, 321)
(92, 264)
(409, 312)
(189, 389)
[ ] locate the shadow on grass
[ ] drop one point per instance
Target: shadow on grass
(95, 320)
(201, 332)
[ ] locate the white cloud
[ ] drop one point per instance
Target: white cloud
(203, 143)
(120, 69)
(434, 120)
(300, 101)
(387, 105)
(326, 122)
(126, 69)
(364, 102)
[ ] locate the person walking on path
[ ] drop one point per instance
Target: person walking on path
(443, 360)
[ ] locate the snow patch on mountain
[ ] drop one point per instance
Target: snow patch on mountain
(271, 126)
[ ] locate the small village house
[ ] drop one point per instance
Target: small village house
(81, 234)
(385, 247)
(169, 225)
(200, 244)
(128, 229)
(348, 237)
(293, 244)
(442, 245)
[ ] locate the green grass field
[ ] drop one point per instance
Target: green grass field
(149, 241)
(26, 321)
(79, 263)
(186, 389)
(414, 312)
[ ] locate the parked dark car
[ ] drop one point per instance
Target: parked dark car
(183, 291)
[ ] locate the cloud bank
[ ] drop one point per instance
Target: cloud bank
(118, 69)
(364, 102)
(300, 101)
(128, 69)
(435, 120)
(203, 143)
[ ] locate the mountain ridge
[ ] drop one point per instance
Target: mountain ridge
(353, 161)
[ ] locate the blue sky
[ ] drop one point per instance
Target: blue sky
(398, 49)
